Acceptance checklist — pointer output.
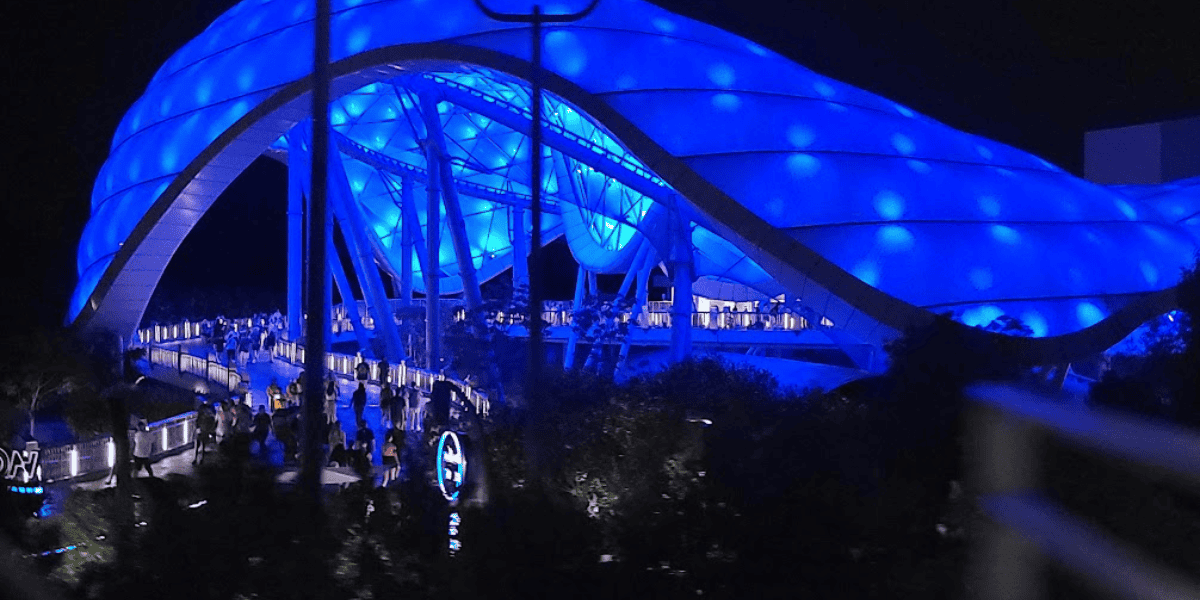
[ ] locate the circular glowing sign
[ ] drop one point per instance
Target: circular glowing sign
(451, 465)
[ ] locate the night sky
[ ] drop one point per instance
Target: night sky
(1034, 75)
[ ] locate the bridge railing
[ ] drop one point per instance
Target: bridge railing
(1028, 529)
(292, 353)
(560, 313)
(98, 455)
(398, 374)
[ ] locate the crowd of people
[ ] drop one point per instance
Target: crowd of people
(231, 426)
(235, 345)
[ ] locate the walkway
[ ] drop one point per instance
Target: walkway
(261, 374)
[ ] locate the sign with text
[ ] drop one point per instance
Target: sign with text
(12, 461)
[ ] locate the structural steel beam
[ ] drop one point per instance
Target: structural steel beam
(295, 241)
(683, 274)
(573, 336)
(454, 214)
(433, 267)
(343, 284)
(520, 263)
(406, 240)
(520, 119)
(354, 232)
(402, 169)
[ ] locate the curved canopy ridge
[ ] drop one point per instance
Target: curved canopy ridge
(929, 215)
(382, 131)
(1178, 201)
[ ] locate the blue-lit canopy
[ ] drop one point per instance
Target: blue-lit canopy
(792, 182)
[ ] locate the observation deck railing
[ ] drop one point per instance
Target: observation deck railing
(559, 313)
(1027, 528)
(292, 353)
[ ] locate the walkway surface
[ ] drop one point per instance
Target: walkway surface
(261, 374)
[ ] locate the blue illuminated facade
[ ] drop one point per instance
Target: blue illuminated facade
(782, 181)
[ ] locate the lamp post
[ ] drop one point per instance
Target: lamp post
(317, 306)
(536, 426)
(534, 324)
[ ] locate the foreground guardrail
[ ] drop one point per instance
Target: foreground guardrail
(1028, 528)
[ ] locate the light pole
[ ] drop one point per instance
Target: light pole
(317, 304)
(534, 322)
(535, 433)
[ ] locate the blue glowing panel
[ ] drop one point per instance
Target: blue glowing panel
(933, 216)
(1178, 201)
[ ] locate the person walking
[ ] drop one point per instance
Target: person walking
(393, 445)
(397, 409)
(358, 401)
(262, 427)
(362, 371)
(224, 423)
(412, 398)
(231, 348)
(331, 397)
(206, 429)
(295, 391)
(243, 426)
(275, 395)
(385, 406)
(281, 424)
(364, 446)
(245, 350)
(337, 444)
(143, 448)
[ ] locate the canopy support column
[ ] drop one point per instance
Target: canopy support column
(295, 239)
(353, 229)
(454, 214)
(682, 276)
(573, 336)
(433, 265)
(520, 273)
(597, 351)
(643, 268)
(343, 284)
(406, 240)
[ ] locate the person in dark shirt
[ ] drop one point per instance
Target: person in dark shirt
(398, 415)
(206, 432)
(358, 401)
(393, 445)
(281, 423)
(364, 446)
(385, 406)
(262, 427)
